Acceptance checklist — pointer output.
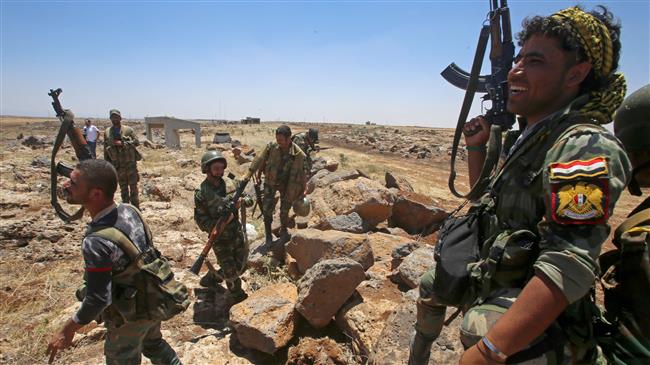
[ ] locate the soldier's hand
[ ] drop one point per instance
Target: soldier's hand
(60, 341)
(477, 132)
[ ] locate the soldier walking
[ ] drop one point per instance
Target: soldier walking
(212, 201)
(120, 144)
(543, 219)
(308, 143)
(111, 280)
(285, 171)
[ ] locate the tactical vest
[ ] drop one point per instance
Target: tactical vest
(294, 186)
(146, 289)
(120, 156)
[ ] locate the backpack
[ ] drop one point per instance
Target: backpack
(146, 289)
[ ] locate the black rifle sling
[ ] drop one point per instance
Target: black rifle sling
(464, 112)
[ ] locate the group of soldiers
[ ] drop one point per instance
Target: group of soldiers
(93, 183)
(538, 231)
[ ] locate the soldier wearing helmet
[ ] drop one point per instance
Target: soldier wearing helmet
(626, 270)
(213, 200)
(308, 143)
(285, 171)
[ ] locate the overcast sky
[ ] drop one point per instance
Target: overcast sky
(331, 61)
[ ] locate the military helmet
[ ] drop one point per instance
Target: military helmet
(301, 207)
(313, 134)
(632, 120)
(209, 157)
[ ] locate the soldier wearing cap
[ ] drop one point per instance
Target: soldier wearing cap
(120, 150)
(308, 143)
(285, 171)
(544, 216)
(212, 201)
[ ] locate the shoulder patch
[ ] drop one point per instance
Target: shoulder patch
(580, 202)
(578, 168)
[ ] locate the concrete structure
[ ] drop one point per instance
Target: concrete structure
(249, 120)
(171, 126)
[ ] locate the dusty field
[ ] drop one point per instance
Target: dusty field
(40, 258)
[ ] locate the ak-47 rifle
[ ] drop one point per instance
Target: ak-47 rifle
(80, 149)
(258, 197)
(219, 227)
(494, 85)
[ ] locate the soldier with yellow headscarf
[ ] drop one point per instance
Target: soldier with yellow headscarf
(543, 218)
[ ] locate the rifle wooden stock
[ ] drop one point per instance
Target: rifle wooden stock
(214, 234)
(217, 230)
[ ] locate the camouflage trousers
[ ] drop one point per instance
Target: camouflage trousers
(128, 178)
(268, 205)
(232, 256)
(125, 344)
(479, 319)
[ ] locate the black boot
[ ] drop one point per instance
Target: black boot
(420, 349)
(267, 231)
(212, 279)
(284, 234)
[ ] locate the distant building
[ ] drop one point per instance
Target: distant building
(171, 126)
(249, 120)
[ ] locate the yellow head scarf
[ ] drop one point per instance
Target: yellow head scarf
(596, 42)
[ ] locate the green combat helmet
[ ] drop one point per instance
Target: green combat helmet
(632, 127)
(210, 157)
(302, 207)
(632, 121)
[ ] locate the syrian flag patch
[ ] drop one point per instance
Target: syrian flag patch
(578, 168)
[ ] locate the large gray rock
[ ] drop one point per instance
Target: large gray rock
(416, 213)
(352, 223)
(324, 178)
(325, 287)
(308, 246)
(363, 317)
(397, 182)
(392, 345)
(415, 265)
(266, 320)
(369, 198)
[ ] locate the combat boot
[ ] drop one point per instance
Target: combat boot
(420, 349)
(267, 231)
(284, 234)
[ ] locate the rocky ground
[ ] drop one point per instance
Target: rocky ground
(342, 291)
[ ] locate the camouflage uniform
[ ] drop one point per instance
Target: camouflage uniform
(125, 341)
(283, 172)
(300, 139)
(559, 183)
(125, 159)
(210, 204)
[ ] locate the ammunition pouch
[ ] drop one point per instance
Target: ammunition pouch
(457, 247)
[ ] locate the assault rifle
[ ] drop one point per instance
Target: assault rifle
(494, 85)
(80, 149)
(219, 227)
(258, 197)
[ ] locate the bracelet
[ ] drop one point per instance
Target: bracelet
(475, 148)
(500, 355)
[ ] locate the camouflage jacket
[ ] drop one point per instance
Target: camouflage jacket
(121, 156)
(290, 177)
(560, 183)
(210, 204)
(300, 139)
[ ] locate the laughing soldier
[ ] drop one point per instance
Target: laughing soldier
(548, 205)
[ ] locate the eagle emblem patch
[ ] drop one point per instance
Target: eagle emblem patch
(580, 191)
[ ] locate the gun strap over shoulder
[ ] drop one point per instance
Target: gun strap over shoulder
(633, 221)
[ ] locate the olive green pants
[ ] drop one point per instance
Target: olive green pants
(124, 345)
